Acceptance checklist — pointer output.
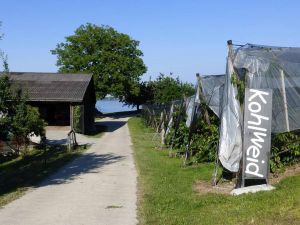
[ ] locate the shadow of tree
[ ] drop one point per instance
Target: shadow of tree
(87, 163)
(62, 141)
(62, 166)
(110, 126)
(119, 115)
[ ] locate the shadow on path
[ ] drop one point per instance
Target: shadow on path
(87, 163)
(62, 141)
(110, 126)
(120, 115)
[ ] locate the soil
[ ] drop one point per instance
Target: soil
(204, 187)
(289, 171)
(225, 187)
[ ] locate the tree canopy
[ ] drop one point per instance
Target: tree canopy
(112, 57)
(146, 94)
(168, 89)
(162, 90)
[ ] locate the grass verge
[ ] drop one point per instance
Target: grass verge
(19, 174)
(166, 194)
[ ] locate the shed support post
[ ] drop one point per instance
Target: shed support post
(71, 116)
(82, 119)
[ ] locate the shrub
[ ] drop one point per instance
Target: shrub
(285, 150)
(204, 139)
(26, 122)
(77, 119)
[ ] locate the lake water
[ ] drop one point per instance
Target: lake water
(112, 105)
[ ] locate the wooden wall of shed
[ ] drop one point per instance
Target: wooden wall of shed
(88, 110)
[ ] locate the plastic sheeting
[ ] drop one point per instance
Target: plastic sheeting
(276, 68)
(212, 88)
(262, 67)
(212, 91)
(190, 104)
(193, 105)
(230, 143)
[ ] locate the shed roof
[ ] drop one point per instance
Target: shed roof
(51, 87)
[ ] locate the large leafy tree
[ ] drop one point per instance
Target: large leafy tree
(112, 57)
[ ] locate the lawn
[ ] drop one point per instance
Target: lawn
(19, 174)
(166, 194)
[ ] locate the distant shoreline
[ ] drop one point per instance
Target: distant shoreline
(112, 105)
(118, 114)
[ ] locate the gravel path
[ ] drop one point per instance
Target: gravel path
(98, 187)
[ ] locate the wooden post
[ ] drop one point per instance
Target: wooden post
(286, 114)
(71, 116)
(82, 117)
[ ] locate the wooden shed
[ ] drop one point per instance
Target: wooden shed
(57, 94)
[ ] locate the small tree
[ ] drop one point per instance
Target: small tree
(18, 121)
(167, 89)
(6, 108)
(26, 122)
(146, 94)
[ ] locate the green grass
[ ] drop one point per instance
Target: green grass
(19, 174)
(166, 194)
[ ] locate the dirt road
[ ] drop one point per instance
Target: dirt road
(98, 187)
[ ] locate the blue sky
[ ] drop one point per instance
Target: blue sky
(182, 37)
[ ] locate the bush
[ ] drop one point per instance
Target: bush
(77, 119)
(18, 121)
(204, 139)
(285, 150)
(26, 122)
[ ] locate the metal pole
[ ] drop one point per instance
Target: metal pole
(240, 174)
(286, 114)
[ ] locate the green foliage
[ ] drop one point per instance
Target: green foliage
(5, 107)
(145, 95)
(112, 57)
(161, 91)
(167, 89)
(285, 150)
(239, 83)
(76, 119)
(25, 122)
(178, 138)
(204, 139)
(18, 121)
